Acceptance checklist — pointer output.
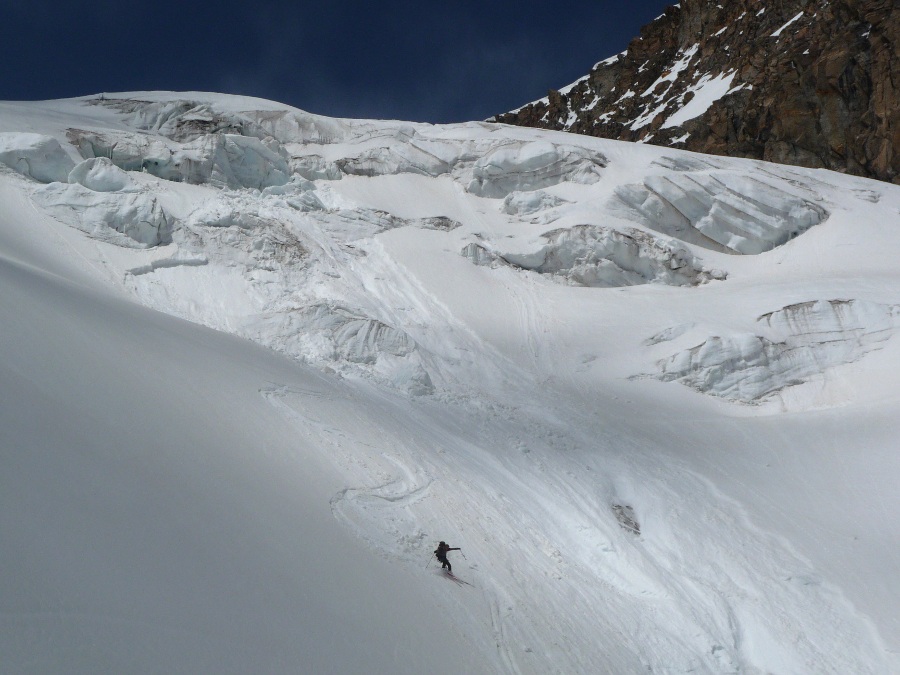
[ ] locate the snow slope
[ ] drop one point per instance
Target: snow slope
(158, 515)
(652, 395)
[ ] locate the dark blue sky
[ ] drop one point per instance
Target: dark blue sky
(457, 61)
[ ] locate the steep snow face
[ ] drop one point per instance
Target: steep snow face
(570, 357)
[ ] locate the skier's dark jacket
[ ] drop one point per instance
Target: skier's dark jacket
(441, 551)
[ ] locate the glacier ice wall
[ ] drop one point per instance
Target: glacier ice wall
(35, 156)
(795, 344)
(719, 209)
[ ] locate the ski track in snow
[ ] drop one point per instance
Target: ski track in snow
(381, 514)
(674, 575)
(369, 510)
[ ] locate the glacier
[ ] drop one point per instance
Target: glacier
(258, 362)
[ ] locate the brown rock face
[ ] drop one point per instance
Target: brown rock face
(812, 83)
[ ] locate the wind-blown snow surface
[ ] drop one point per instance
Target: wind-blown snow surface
(652, 395)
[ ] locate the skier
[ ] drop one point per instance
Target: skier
(441, 553)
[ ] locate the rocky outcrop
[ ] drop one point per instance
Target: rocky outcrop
(811, 83)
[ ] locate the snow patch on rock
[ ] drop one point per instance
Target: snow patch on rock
(703, 94)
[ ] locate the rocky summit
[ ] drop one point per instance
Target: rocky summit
(815, 84)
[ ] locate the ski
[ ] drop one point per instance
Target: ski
(455, 578)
